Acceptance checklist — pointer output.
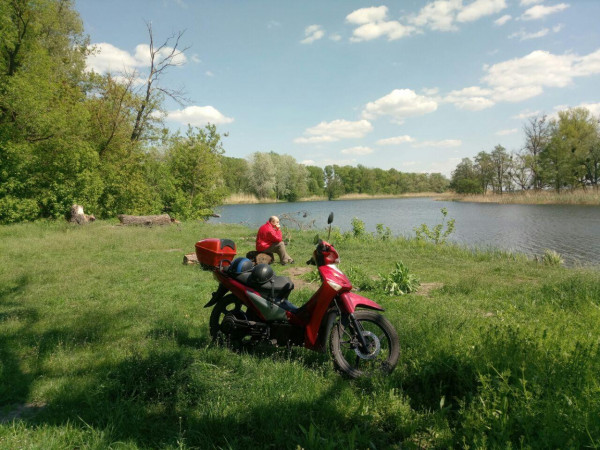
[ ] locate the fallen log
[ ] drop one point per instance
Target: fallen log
(163, 219)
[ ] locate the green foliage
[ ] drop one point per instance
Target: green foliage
(399, 281)
(383, 232)
(359, 278)
(562, 153)
(437, 235)
(358, 228)
(312, 276)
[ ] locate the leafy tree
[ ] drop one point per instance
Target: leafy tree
(501, 164)
(315, 181)
(262, 174)
(334, 187)
(537, 137)
(45, 162)
(235, 174)
(194, 162)
(484, 167)
(464, 178)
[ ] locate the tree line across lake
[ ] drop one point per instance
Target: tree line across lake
(68, 135)
(561, 153)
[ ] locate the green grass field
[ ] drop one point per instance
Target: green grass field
(104, 344)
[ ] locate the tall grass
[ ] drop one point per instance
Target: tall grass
(104, 343)
(588, 196)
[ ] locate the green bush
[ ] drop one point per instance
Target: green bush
(399, 282)
(437, 234)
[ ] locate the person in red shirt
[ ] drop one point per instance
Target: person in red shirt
(269, 240)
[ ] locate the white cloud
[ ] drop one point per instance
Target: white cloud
(479, 9)
(430, 91)
(334, 131)
(208, 73)
(438, 15)
(198, 116)
(530, 2)
(335, 37)
(313, 33)
(502, 20)
(446, 143)
(357, 151)
(395, 140)
(196, 58)
(400, 104)
(308, 162)
(523, 36)
(373, 24)
(392, 29)
(142, 54)
(522, 78)
(507, 132)
(540, 11)
(367, 15)
(526, 114)
(472, 98)
(108, 59)
(594, 108)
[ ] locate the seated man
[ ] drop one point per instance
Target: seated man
(269, 240)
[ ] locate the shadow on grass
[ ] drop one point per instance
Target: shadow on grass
(14, 383)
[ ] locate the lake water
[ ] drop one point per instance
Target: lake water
(571, 230)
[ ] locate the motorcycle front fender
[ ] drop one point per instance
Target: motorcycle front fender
(349, 301)
(324, 331)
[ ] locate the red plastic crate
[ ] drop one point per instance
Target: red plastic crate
(215, 253)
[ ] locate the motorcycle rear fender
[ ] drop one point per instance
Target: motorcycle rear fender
(217, 295)
(349, 301)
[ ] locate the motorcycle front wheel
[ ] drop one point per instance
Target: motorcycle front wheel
(351, 358)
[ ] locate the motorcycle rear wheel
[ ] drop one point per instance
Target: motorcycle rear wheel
(383, 345)
(220, 334)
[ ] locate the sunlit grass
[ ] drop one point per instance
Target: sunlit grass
(104, 343)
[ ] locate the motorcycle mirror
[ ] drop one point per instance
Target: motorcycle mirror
(330, 218)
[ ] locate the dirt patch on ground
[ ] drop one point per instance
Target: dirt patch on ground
(426, 288)
(295, 273)
(20, 411)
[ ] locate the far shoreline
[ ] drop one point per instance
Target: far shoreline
(589, 197)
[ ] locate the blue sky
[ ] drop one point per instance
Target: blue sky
(415, 85)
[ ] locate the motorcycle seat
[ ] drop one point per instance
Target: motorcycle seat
(279, 287)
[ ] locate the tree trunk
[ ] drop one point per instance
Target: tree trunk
(78, 216)
(163, 219)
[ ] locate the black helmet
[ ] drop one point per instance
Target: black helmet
(240, 265)
(261, 274)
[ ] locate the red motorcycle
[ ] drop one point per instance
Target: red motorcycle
(251, 305)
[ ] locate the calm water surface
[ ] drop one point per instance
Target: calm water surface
(571, 230)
